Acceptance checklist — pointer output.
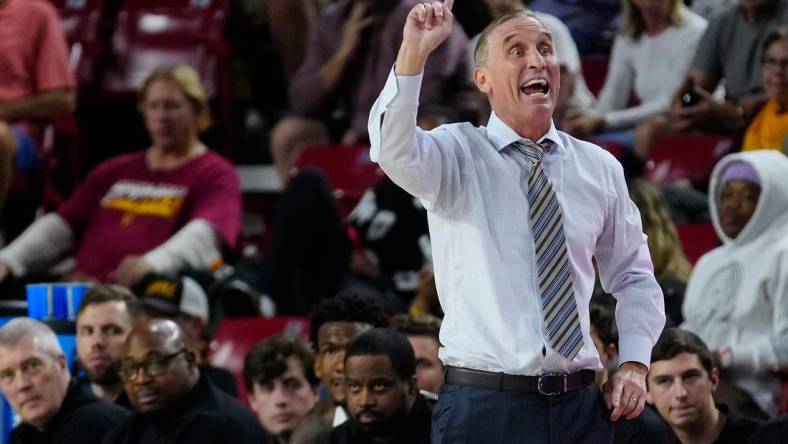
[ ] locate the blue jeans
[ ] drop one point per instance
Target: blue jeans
(470, 415)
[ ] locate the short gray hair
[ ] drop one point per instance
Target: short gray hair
(19, 329)
(480, 53)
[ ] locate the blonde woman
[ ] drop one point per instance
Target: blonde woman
(172, 205)
(650, 56)
(671, 267)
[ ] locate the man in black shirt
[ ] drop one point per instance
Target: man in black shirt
(382, 395)
(35, 380)
(681, 384)
(173, 401)
(648, 427)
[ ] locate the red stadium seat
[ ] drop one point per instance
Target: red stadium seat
(81, 21)
(235, 337)
(348, 168)
(691, 158)
(153, 33)
(594, 72)
(697, 239)
(782, 400)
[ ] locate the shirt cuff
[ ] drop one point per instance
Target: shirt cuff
(635, 348)
(408, 89)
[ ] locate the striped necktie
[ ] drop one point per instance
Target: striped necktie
(562, 323)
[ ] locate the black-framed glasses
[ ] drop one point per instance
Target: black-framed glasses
(153, 366)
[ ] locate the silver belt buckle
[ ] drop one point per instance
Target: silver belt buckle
(550, 394)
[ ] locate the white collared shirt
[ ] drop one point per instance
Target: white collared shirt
(474, 188)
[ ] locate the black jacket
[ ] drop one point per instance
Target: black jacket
(415, 428)
(82, 418)
(647, 428)
(205, 415)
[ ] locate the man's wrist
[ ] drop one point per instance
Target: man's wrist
(410, 61)
(634, 365)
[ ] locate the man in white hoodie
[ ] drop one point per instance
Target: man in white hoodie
(737, 297)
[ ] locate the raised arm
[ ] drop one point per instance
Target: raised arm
(425, 164)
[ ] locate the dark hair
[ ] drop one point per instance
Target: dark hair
(101, 293)
(773, 35)
(419, 325)
(389, 343)
(268, 360)
(675, 341)
(346, 307)
(602, 311)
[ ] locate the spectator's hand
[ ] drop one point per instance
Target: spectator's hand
(708, 111)
(426, 27)
(625, 393)
(130, 270)
(582, 125)
(359, 20)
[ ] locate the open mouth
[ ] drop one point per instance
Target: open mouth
(535, 87)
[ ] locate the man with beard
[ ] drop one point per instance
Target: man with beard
(334, 323)
(382, 394)
(105, 317)
(174, 402)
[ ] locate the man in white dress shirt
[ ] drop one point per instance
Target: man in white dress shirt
(517, 211)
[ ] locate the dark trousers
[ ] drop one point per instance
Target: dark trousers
(469, 415)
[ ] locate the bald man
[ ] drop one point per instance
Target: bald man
(174, 403)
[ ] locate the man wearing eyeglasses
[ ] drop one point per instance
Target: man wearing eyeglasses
(35, 380)
(173, 401)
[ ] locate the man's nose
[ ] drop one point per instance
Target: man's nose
(535, 59)
(681, 390)
(365, 398)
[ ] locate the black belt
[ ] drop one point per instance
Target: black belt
(549, 384)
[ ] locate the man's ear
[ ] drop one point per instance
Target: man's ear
(481, 77)
(318, 366)
(714, 377)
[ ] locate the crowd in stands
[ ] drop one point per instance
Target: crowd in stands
(158, 232)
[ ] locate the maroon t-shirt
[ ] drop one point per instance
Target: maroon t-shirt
(123, 208)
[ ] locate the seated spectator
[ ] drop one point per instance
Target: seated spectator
(591, 22)
(671, 267)
(648, 427)
(709, 8)
(425, 301)
(736, 297)
(392, 229)
(769, 128)
(729, 50)
(773, 432)
(173, 401)
(422, 332)
(650, 56)
(182, 300)
(105, 317)
(348, 58)
(279, 374)
(573, 91)
(334, 323)
(383, 398)
(36, 83)
(35, 380)
(173, 205)
(681, 385)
